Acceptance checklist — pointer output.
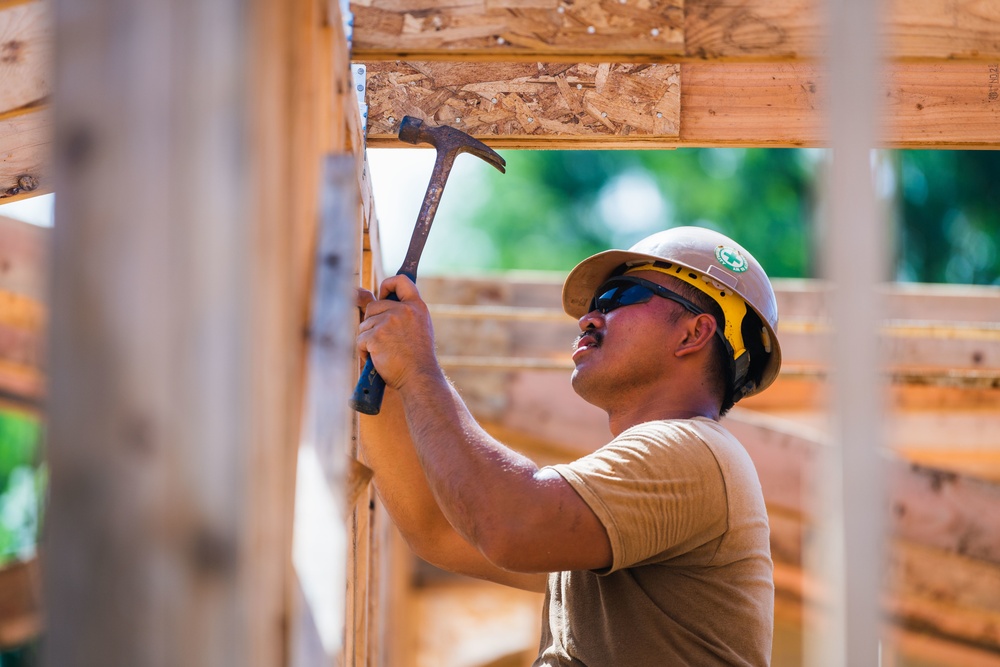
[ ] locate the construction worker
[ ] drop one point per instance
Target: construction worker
(654, 549)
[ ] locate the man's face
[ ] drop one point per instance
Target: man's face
(627, 352)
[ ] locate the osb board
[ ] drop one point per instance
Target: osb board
(528, 104)
(505, 28)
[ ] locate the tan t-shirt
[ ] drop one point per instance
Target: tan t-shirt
(691, 581)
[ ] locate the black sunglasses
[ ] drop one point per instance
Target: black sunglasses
(629, 291)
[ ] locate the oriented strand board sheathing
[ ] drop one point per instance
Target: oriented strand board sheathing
(528, 104)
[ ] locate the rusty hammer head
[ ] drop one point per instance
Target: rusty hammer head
(448, 141)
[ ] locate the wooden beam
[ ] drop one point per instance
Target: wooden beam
(23, 258)
(174, 343)
(25, 145)
(25, 55)
(722, 104)
(471, 29)
(709, 29)
(529, 104)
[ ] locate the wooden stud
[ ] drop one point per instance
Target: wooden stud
(174, 345)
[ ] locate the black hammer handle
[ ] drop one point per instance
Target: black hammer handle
(367, 397)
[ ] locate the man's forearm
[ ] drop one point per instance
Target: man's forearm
(478, 483)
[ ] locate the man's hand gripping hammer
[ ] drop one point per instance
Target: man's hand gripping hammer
(449, 142)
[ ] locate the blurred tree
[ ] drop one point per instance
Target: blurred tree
(553, 208)
(948, 216)
(22, 482)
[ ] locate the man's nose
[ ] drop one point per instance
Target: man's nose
(592, 320)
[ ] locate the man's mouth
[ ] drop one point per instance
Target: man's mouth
(587, 341)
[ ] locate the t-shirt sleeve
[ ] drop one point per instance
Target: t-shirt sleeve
(657, 489)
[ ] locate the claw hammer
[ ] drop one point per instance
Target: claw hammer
(449, 142)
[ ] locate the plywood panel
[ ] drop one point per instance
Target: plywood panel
(528, 104)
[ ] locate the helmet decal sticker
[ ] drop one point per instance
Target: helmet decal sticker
(731, 258)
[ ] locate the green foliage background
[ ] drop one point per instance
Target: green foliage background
(552, 209)
(22, 480)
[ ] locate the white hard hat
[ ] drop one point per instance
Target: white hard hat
(717, 266)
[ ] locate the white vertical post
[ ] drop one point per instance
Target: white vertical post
(851, 514)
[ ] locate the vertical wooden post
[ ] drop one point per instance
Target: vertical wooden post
(854, 258)
(175, 344)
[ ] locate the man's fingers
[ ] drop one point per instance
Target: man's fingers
(362, 298)
(401, 286)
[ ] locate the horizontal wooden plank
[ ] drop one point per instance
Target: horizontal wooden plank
(25, 165)
(465, 29)
(23, 258)
(528, 104)
(765, 104)
(22, 321)
(944, 29)
(25, 55)
(948, 594)
(20, 603)
(753, 29)
(936, 105)
(710, 29)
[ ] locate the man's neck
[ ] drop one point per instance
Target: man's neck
(625, 417)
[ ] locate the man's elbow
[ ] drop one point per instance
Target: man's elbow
(512, 550)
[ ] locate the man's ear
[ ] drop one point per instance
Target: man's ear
(698, 333)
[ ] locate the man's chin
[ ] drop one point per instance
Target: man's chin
(581, 384)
